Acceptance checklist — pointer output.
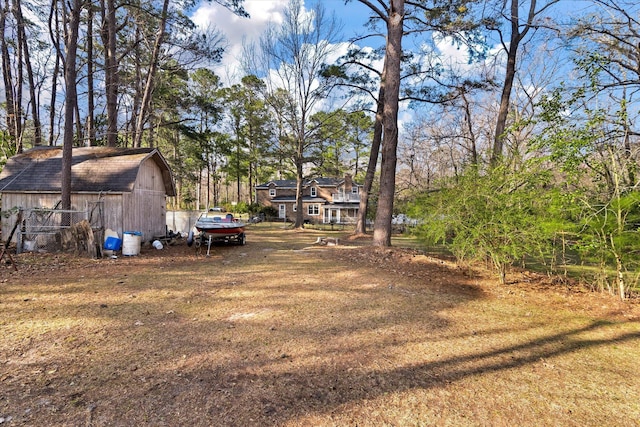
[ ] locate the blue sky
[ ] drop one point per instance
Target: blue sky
(352, 16)
(542, 65)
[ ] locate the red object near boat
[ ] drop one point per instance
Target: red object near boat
(214, 227)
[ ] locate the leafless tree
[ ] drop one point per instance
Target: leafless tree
(291, 56)
(519, 28)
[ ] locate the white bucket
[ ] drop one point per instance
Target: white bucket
(157, 244)
(131, 241)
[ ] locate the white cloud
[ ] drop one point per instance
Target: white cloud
(237, 30)
(456, 55)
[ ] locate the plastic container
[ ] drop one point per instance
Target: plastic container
(157, 244)
(131, 242)
(113, 243)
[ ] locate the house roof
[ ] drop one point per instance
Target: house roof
(291, 183)
(292, 199)
(93, 169)
(280, 183)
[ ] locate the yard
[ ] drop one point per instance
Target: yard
(285, 332)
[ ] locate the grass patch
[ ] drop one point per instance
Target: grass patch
(286, 332)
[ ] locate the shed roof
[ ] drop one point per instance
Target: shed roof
(93, 169)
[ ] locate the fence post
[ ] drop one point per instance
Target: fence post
(20, 235)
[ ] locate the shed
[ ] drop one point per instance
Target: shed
(132, 185)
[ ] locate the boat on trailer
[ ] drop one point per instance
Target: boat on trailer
(212, 227)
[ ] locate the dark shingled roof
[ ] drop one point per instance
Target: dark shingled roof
(291, 183)
(93, 169)
(292, 199)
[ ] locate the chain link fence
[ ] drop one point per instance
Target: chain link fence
(40, 230)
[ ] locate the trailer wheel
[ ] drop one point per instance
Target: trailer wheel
(242, 239)
(190, 238)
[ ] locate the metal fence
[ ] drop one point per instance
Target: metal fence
(41, 228)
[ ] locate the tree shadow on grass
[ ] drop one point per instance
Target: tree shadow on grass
(178, 366)
(285, 396)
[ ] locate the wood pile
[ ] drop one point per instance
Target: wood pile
(80, 239)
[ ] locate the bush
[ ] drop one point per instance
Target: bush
(499, 218)
(255, 209)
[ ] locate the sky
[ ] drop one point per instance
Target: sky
(236, 29)
(352, 16)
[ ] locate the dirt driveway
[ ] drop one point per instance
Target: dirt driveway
(284, 332)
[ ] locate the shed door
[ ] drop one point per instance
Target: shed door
(282, 211)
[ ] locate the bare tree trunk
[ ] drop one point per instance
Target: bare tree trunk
(211, 192)
(137, 93)
(153, 69)
(503, 112)
(91, 127)
(361, 223)
(7, 76)
(631, 164)
(54, 32)
(299, 187)
(78, 123)
(111, 69)
(472, 136)
(17, 107)
(70, 75)
(199, 188)
(37, 127)
(393, 56)
(518, 32)
(238, 179)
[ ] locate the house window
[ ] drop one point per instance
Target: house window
(272, 192)
(313, 192)
(354, 190)
(313, 210)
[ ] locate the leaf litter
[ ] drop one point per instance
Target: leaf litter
(282, 332)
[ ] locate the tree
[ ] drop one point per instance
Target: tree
(237, 165)
(590, 150)
(70, 73)
(109, 36)
(259, 131)
(445, 18)
(12, 110)
(359, 131)
(607, 52)
(151, 75)
(393, 17)
(361, 81)
(26, 57)
(91, 123)
(329, 153)
(55, 34)
(249, 125)
(291, 57)
(342, 140)
(519, 29)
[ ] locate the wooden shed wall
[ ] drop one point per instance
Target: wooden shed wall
(112, 206)
(145, 212)
(142, 210)
(145, 209)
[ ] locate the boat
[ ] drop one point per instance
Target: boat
(212, 227)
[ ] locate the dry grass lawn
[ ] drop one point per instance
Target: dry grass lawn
(282, 332)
